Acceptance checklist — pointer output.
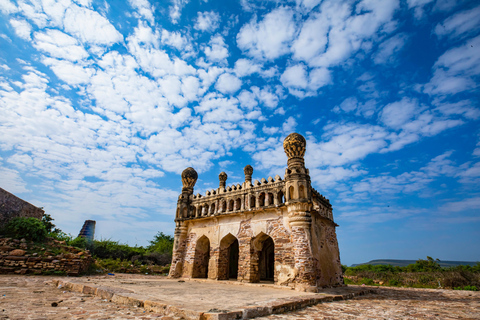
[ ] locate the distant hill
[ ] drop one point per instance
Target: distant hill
(403, 263)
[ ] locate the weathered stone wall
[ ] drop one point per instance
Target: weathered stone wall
(15, 258)
(12, 206)
(326, 252)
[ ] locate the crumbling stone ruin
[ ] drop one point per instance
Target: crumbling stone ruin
(88, 230)
(21, 257)
(275, 230)
(12, 206)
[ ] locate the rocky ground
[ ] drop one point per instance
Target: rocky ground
(31, 297)
(396, 303)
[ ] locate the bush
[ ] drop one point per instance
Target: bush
(470, 288)
(367, 281)
(29, 228)
(161, 243)
(394, 282)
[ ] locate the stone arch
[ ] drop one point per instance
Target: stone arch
(185, 212)
(212, 209)
(261, 199)
(230, 205)
(301, 192)
(238, 204)
(269, 201)
(194, 211)
(280, 197)
(201, 258)
(205, 210)
(263, 251)
(228, 258)
(252, 201)
(291, 193)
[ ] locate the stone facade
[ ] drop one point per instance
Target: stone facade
(12, 206)
(279, 230)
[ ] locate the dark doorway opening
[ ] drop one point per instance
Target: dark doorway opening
(267, 260)
(233, 260)
(202, 258)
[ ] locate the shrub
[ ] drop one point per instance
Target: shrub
(367, 281)
(394, 282)
(29, 228)
(161, 243)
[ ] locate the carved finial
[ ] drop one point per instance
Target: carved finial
(189, 178)
(294, 146)
(248, 170)
(223, 178)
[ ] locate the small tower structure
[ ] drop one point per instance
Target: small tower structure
(279, 230)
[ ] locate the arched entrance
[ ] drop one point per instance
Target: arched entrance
(264, 252)
(228, 258)
(266, 262)
(202, 258)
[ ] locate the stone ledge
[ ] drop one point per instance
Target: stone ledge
(129, 298)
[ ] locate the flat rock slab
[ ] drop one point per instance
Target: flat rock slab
(202, 299)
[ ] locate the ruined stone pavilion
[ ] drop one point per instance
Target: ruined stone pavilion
(273, 230)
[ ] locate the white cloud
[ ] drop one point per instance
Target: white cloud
(59, 45)
(418, 7)
(90, 27)
(7, 7)
(175, 10)
(301, 84)
(454, 70)
(228, 83)
(467, 204)
(396, 114)
(11, 181)
(312, 39)
(269, 38)
(23, 29)
(144, 9)
(345, 143)
(295, 77)
(389, 49)
(307, 5)
(177, 40)
(344, 31)
(465, 108)
(461, 24)
(289, 125)
(247, 99)
(217, 51)
(245, 67)
(207, 21)
(73, 74)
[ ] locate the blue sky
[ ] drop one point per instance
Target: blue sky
(104, 103)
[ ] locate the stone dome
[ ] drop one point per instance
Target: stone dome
(294, 145)
(248, 170)
(222, 177)
(189, 177)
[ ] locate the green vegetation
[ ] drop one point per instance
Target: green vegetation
(421, 274)
(111, 256)
(29, 228)
(470, 288)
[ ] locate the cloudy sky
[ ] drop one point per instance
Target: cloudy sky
(104, 103)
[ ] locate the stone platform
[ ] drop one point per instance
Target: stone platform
(202, 299)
